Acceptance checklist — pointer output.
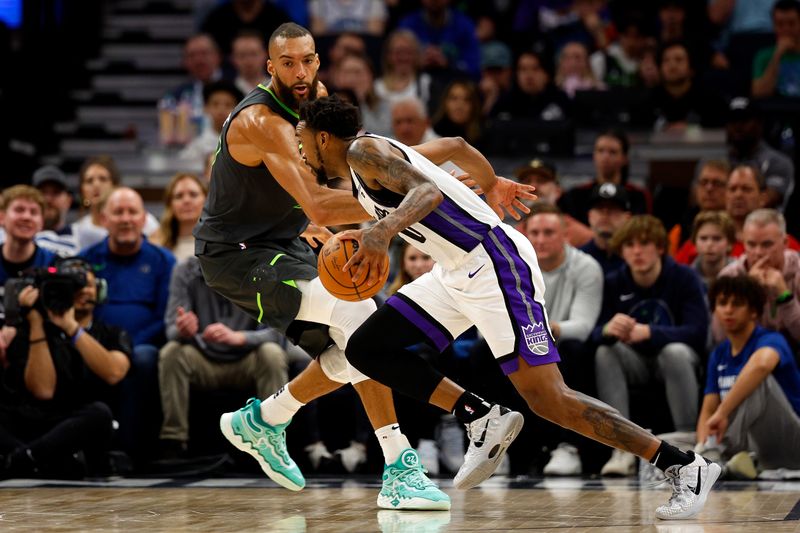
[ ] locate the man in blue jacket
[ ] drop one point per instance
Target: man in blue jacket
(654, 322)
(138, 275)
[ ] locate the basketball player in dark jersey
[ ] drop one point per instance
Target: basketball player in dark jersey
(248, 242)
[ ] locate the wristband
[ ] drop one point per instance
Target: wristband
(784, 297)
(77, 335)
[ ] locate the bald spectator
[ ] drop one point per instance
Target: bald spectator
(410, 122)
(746, 146)
(544, 177)
(138, 275)
(776, 268)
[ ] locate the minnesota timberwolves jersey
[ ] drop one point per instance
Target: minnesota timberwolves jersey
(246, 204)
(449, 232)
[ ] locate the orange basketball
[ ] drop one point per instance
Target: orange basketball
(333, 256)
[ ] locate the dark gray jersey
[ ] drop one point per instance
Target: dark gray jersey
(246, 204)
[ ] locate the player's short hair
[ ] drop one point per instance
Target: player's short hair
(288, 30)
(721, 219)
(333, 115)
(741, 287)
(644, 228)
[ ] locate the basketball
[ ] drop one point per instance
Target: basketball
(333, 256)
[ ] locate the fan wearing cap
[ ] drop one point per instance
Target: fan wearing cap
(57, 234)
(543, 176)
(609, 210)
(776, 69)
(746, 146)
(496, 73)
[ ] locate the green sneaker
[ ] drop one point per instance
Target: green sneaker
(405, 486)
(246, 430)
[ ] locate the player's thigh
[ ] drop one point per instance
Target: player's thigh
(427, 304)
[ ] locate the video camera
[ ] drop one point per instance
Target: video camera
(57, 286)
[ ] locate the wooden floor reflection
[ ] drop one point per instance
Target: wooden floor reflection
(245, 505)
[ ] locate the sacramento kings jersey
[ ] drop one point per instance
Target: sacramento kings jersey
(450, 231)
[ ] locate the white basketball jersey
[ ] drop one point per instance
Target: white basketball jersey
(450, 231)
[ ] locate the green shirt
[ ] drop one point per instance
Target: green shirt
(788, 71)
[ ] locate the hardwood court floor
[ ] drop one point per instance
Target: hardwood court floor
(335, 505)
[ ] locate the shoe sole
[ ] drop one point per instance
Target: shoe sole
(714, 471)
(414, 504)
(484, 470)
(227, 430)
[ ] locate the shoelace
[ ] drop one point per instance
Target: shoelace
(413, 477)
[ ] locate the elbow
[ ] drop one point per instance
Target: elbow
(42, 392)
(435, 195)
(115, 376)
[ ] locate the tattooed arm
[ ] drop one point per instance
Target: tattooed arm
(380, 166)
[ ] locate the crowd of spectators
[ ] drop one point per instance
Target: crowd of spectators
(696, 312)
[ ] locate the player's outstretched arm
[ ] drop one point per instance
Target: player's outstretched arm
(374, 160)
(502, 195)
(274, 142)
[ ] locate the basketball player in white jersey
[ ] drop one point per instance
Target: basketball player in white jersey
(486, 274)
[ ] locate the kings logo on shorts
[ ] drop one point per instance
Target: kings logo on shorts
(537, 338)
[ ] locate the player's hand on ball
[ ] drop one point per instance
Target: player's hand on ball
(506, 197)
(369, 261)
(316, 235)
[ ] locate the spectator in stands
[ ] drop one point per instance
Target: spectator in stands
(355, 72)
(777, 269)
(49, 410)
(746, 146)
(137, 273)
(402, 63)
(752, 393)
(97, 177)
(629, 62)
(745, 193)
(183, 202)
(684, 21)
(574, 284)
(219, 99)
(497, 75)
(544, 177)
(574, 73)
(611, 166)
(713, 235)
(459, 113)
(585, 21)
(226, 20)
(249, 57)
(654, 322)
(358, 16)
(708, 192)
(776, 70)
(448, 37)
(410, 122)
(679, 100)
(212, 345)
(533, 95)
(57, 234)
(346, 43)
(22, 218)
(609, 210)
(181, 109)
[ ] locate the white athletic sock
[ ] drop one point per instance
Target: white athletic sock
(280, 407)
(392, 442)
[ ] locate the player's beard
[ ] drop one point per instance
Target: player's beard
(287, 96)
(319, 172)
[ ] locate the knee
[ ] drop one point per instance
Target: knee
(676, 355)
(272, 357)
(548, 399)
(144, 357)
(603, 357)
(102, 416)
(357, 347)
(170, 354)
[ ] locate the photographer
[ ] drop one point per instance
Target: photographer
(59, 354)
